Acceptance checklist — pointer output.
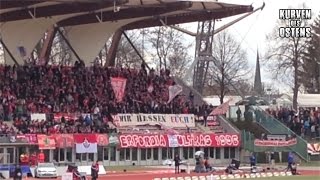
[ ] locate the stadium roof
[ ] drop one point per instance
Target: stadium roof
(90, 23)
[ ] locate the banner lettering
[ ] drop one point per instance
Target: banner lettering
(169, 120)
(180, 140)
(275, 143)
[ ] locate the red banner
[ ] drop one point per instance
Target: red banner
(314, 148)
(180, 140)
(27, 138)
(64, 140)
(46, 142)
(67, 116)
(119, 86)
(275, 143)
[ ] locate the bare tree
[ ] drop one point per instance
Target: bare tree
(171, 51)
(126, 55)
(284, 58)
(230, 64)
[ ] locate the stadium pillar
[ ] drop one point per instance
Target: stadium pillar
(112, 52)
(46, 48)
(9, 53)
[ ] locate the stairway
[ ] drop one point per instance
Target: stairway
(197, 97)
(273, 126)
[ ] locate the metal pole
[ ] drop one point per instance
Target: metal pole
(10, 54)
(135, 49)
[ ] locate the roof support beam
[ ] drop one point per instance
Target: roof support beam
(112, 52)
(68, 43)
(9, 53)
(46, 48)
(135, 49)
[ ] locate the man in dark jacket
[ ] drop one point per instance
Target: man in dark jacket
(176, 164)
(17, 173)
(95, 170)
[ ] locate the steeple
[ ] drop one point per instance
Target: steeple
(257, 87)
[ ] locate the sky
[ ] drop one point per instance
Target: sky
(252, 31)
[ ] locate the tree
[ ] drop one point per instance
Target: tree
(126, 55)
(284, 58)
(171, 52)
(229, 65)
(311, 60)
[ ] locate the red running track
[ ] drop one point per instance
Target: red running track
(160, 174)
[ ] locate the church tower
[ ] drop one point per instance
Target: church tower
(257, 87)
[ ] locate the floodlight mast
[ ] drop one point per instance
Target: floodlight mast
(203, 53)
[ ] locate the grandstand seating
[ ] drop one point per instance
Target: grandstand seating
(54, 89)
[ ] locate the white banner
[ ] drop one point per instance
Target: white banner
(38, 117)
(169, 120)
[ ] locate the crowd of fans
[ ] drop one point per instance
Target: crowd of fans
(305, 123)
(78, 89)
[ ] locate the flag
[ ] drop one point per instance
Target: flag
(46, 142)
(220, 110)
(22, 51)
(174, 91)
(119, 86)
(86, 143)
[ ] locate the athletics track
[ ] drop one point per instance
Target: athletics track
(150, 175)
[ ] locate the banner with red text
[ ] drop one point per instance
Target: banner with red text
(180, 140)
(275, 143)
(314, 148)
(168, 120)
(173, 92)
(119, 86)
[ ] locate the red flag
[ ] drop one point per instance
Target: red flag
(220, 110)
(119, 86)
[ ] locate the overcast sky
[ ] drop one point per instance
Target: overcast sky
(252, 30)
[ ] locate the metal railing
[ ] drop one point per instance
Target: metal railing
(274, 126)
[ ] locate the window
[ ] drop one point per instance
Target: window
(10, 152)
(148, 153)
(155, 153)
(191, 152)
(185, 153)
(226, 153)
(61, 154)
(100, 153)
(143, 153)
(218, 153)
(176, 152)
(211, 150)
(113, 153)
(69, 154)
(127, 154)
(122, 154)
(134, 154)
(164, 153)
(233, 152)
(106, 154)
(91, 157)
(206, 152)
